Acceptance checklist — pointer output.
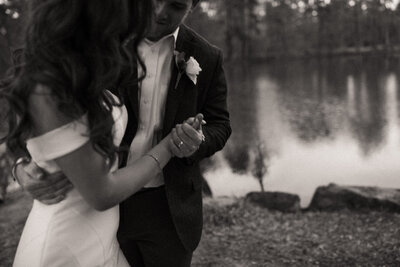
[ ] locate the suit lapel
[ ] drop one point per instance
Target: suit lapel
(174, 96)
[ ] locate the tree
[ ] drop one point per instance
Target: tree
(11, 24)
(241, 25)
(259, 168)
(275, 28)
(12, 15)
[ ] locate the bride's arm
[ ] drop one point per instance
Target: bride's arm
(86, 168)
(89, 173)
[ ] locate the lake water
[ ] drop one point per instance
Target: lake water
(334, 120)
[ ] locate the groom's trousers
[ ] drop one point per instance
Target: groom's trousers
(147, 235)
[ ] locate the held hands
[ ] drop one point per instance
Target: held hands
(184, 141)
(187, 137)
(47, 188)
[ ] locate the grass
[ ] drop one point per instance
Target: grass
(241, 234)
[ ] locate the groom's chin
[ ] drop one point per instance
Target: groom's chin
(157, 32)
(152, 35)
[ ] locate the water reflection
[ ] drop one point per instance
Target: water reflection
(321, 121)
(241, 104)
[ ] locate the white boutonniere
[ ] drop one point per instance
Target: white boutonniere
(190, 67)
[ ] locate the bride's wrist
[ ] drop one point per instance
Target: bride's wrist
(165, 144)
(162, 150)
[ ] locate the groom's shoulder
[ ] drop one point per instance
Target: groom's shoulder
(200, 42)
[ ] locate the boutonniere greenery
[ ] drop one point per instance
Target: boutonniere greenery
(190, 67)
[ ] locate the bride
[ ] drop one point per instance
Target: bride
(61, 114)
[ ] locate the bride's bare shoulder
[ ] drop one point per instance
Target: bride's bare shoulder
(42, 98)
(44, 111)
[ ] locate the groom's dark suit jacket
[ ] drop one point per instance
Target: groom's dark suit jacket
(183, 182)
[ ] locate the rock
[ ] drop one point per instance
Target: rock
(222, 201)
(284, 202)
(334, 197)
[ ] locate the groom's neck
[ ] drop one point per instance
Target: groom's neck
(156, 38)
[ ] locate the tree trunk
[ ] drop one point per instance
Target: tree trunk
(261, 184)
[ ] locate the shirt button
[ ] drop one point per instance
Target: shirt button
(145, 101)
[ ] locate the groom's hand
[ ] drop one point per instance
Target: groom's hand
(187, 137)
(47, 188)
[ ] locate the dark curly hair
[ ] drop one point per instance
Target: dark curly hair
(77, 49)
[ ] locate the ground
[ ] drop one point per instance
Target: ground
(237, 233)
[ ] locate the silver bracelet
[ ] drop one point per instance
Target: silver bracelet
(14, 168)
(156, 160)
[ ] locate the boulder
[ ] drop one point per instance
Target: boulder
(335, 197)
(280, 201)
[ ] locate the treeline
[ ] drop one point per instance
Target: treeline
(274, 28)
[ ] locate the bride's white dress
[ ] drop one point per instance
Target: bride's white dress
(70, 233)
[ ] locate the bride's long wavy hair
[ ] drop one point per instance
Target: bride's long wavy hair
(76, 49)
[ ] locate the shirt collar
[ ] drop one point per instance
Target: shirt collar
(175, 34)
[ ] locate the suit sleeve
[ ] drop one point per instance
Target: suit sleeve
(215, 111)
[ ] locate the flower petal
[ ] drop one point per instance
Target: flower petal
(193, 78)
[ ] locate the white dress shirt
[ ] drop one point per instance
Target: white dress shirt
(153, 90)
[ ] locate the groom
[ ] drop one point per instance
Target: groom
(161, 224)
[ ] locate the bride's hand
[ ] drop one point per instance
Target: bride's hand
(187, 137)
